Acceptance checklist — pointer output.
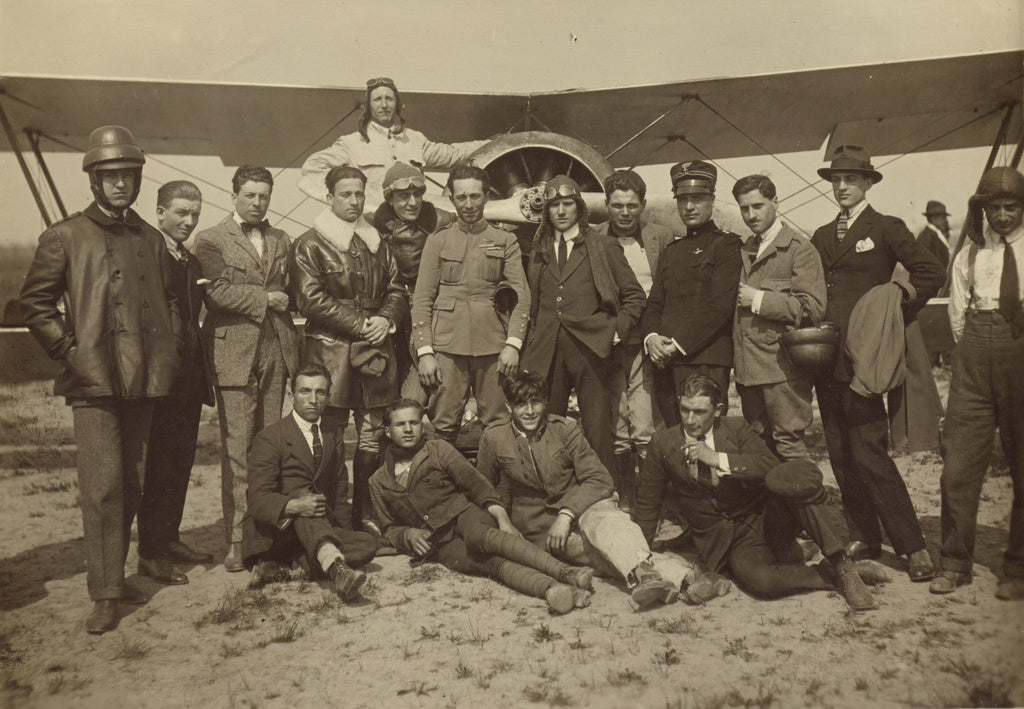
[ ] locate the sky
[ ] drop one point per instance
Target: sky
(469, 46)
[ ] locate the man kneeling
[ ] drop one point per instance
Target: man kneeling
(745, 509)
(294, 467)
(561, 494)
(433, 505)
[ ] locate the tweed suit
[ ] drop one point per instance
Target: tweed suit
(252, 348)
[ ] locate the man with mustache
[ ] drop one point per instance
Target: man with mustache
(987, 389)
(462, 343)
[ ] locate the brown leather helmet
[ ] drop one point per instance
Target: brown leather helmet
(112, 148)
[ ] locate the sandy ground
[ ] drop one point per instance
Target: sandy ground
(430, 638)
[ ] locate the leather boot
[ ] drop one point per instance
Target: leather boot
(364, 463)
(625, 481)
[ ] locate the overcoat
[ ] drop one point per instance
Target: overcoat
(790, 274)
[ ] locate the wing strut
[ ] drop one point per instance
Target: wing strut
(12, 139)
(766, 150)
(33, 139)
(996, 145)
(684, 99)
(1000, 137)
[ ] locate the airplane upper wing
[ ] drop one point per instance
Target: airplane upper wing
(889, 108)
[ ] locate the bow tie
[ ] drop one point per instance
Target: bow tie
(247, 227)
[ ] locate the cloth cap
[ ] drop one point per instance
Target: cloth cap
(401, 176)
(851, 158)
(934, 208)
(695, 177)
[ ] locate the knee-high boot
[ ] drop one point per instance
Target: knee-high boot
(517, 549)
(625, 481)
(560, 597)
(364, 463)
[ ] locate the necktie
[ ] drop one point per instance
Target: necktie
(756, 244)
(318, 447)
(182, 253)
(1009, 290)
(843, 225)
(563, 252)
(255, 234)
(703, 471)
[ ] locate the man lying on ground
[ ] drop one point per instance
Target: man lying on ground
(745, 509)
(433, 505)
(560, 496)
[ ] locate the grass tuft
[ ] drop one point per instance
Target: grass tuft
(544, 634)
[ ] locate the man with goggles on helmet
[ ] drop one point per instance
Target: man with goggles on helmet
(117, 339)
(585, 299)
(382, 140)
(405, 220)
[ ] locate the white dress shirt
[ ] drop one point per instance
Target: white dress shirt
(766, 238)
(709, 439)
(255, 234)
(988, 273)
(306, 427)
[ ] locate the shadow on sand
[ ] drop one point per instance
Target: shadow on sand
(23, 577)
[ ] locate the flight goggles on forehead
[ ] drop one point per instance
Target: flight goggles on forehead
(561, 190)
(380, 81)
(404, 183)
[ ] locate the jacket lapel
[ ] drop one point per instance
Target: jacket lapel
(860, 229)
(651, 248)
(416, 468)
(241, 239)
(329, 439)
(297, 443)
(579, 252)
(269, 254)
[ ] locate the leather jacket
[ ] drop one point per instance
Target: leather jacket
(336, 290)
(119, 333)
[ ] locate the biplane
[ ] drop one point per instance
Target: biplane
(892, 109)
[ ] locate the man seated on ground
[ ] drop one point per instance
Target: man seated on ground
(560, 494)
(433, 505)
(745, 509)
(294, 509)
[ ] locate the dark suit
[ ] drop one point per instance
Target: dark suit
(281, 468)
(931, 241)
(172, 439)
(252, 348)
(856, 427)
(693, 300)
(575, 316)
(750, 520)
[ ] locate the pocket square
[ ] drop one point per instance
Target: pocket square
(864, 245)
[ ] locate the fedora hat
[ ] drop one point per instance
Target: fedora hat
(851, 158)
(934, 207)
